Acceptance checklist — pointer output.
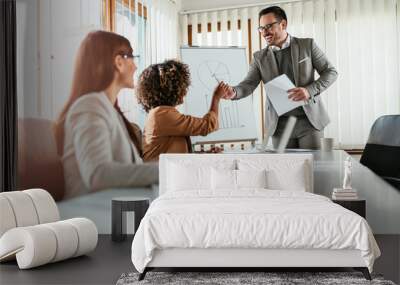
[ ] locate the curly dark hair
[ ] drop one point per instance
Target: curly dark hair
(163, 84)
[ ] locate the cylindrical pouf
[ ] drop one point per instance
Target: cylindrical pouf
(34, 245)
(87, 233)
(7, 218)
(23, 208)
(67, 239)
(41, 244)
(26, 208)
(45, 205)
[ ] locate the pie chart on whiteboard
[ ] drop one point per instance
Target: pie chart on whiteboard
(211, 72)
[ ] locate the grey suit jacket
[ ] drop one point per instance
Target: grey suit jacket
(98, 152)
(306, 58)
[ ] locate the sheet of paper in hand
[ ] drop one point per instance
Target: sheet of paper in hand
(276, 91)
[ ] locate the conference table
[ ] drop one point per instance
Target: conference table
(382, 200)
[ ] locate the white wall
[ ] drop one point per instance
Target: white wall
(27, 58)
(49, 34)
(63, 26)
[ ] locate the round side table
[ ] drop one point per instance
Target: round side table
(119, 205)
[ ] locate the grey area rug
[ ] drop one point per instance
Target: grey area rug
(270, 278)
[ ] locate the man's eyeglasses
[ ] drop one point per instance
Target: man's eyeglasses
(267, 27)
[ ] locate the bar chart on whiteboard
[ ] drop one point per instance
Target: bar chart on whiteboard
(208, 66)
(209, 74)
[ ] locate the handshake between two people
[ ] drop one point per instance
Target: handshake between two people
(224, 91)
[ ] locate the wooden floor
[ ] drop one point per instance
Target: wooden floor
(110, 260)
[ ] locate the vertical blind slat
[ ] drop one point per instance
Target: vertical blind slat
(244, 28)
(344, 84)
(194, 22)
(258, 101)
(185, 29)
(234, 27)
(356, 100)
(224, 28)
(308, 19)
(392, 78)
(331, 95)
(204, 28)
(214, 27)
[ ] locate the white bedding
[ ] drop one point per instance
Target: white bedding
(252, 218)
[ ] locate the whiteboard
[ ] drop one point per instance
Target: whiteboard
(208, 65)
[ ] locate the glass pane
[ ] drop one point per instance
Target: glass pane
(129, 24)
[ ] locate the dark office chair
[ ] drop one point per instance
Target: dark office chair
(382, 151)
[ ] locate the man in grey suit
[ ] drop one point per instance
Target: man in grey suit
(298, 58)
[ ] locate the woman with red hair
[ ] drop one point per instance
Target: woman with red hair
(99, 147)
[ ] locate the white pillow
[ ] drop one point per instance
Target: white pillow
(293, 180)
(237, 179)
(251, 178)
(223, 179)
(185, 175)
(282, 174)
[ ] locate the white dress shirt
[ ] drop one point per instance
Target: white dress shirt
(286, 44)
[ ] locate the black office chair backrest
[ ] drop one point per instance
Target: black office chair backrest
(382, 151)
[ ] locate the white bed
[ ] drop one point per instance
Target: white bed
(203, 219)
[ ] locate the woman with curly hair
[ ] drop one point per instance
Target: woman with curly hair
(161, 88)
